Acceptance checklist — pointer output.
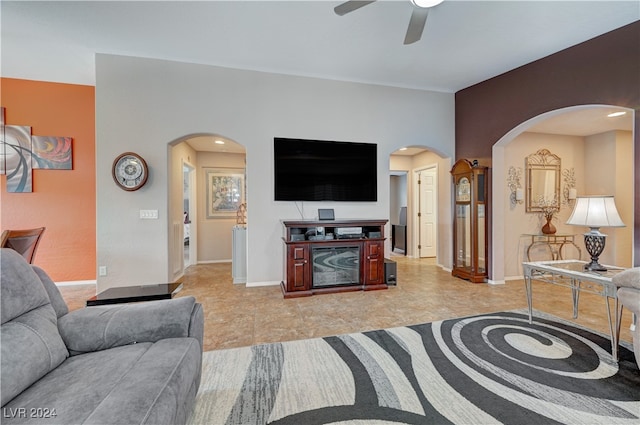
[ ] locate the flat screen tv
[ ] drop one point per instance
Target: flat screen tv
(318, 170)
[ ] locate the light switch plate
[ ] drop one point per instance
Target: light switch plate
(149, 214)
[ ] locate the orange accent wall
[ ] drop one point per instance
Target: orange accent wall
(63, 201)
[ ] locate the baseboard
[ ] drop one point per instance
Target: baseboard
(214, 261)
(446, 269)
(77, 282)
(514, 278)
(264, 283)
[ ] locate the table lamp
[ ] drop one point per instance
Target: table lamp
(595, 212)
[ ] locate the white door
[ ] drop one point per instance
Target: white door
(427, 212)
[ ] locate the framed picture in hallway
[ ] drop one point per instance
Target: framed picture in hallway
(225, 191)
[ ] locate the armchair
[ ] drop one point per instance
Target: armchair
(628, 284)
(117, 364)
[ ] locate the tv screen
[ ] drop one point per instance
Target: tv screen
(317, 170)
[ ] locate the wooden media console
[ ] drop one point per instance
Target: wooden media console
(325, 256)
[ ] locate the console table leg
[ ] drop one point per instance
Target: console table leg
(529, 291)
(615, 336)
(575, 296)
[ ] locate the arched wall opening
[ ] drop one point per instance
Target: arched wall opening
(211, 217)
(408, 167)
(603, 164)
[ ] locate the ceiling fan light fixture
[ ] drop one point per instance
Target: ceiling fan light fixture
(426, 3)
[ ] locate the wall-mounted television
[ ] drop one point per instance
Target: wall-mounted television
(320, 170)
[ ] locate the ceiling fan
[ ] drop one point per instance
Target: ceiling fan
(416, 23)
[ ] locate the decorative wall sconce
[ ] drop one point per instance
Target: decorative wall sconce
(513, 182)
(569, 193)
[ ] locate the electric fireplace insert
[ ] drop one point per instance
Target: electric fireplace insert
(335, 266)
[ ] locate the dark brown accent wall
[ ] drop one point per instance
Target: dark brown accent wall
(604, 70)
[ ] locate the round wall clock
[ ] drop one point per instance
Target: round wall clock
(130, 171)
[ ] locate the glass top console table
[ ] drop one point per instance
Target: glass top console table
(571, 274)
(554, 243)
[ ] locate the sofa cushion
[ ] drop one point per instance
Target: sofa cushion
(155, 381)
(55, 297)
(30, 343)
(629, 278)
(22, 290)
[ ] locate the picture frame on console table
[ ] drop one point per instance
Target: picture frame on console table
(225, 191)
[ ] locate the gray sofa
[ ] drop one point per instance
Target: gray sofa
(118, 364)
(628, 284)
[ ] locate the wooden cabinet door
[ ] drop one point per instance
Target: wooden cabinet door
(373, 263)
(298, 268)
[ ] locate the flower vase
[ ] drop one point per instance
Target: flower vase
(549, 228)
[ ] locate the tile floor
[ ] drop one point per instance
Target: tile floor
(239, 316)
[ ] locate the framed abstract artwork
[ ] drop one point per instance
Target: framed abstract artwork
(17, 157)
(225, 191)
(21, 153)
(52, 152)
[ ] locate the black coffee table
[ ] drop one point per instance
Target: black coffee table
(130, 294)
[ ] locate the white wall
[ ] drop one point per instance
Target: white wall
(144, 104)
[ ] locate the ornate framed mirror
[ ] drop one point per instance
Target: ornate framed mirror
(543, 180)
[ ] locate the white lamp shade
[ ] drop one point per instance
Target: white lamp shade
(595, 212)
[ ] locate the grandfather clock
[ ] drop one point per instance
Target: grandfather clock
(470, 221)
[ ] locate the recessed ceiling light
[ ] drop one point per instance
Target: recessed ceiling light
(219, 142)
(403, 149)
(616, 114)
(426, 3)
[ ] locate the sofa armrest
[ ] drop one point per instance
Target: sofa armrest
(196, 324)
(101, 327)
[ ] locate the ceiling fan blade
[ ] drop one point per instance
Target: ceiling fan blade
(350, 6)
(416, 25)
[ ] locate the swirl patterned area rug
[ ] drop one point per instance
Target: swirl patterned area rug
(486, 369)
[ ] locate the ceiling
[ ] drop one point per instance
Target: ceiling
(464, 42)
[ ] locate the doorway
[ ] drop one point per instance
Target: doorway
(200, 231)
(188, 202)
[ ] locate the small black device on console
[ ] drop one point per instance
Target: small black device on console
(326, 214)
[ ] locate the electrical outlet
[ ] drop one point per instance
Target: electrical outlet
(102, 271)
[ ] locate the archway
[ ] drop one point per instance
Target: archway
(413, 162)
(502, 234)
(214, 158)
